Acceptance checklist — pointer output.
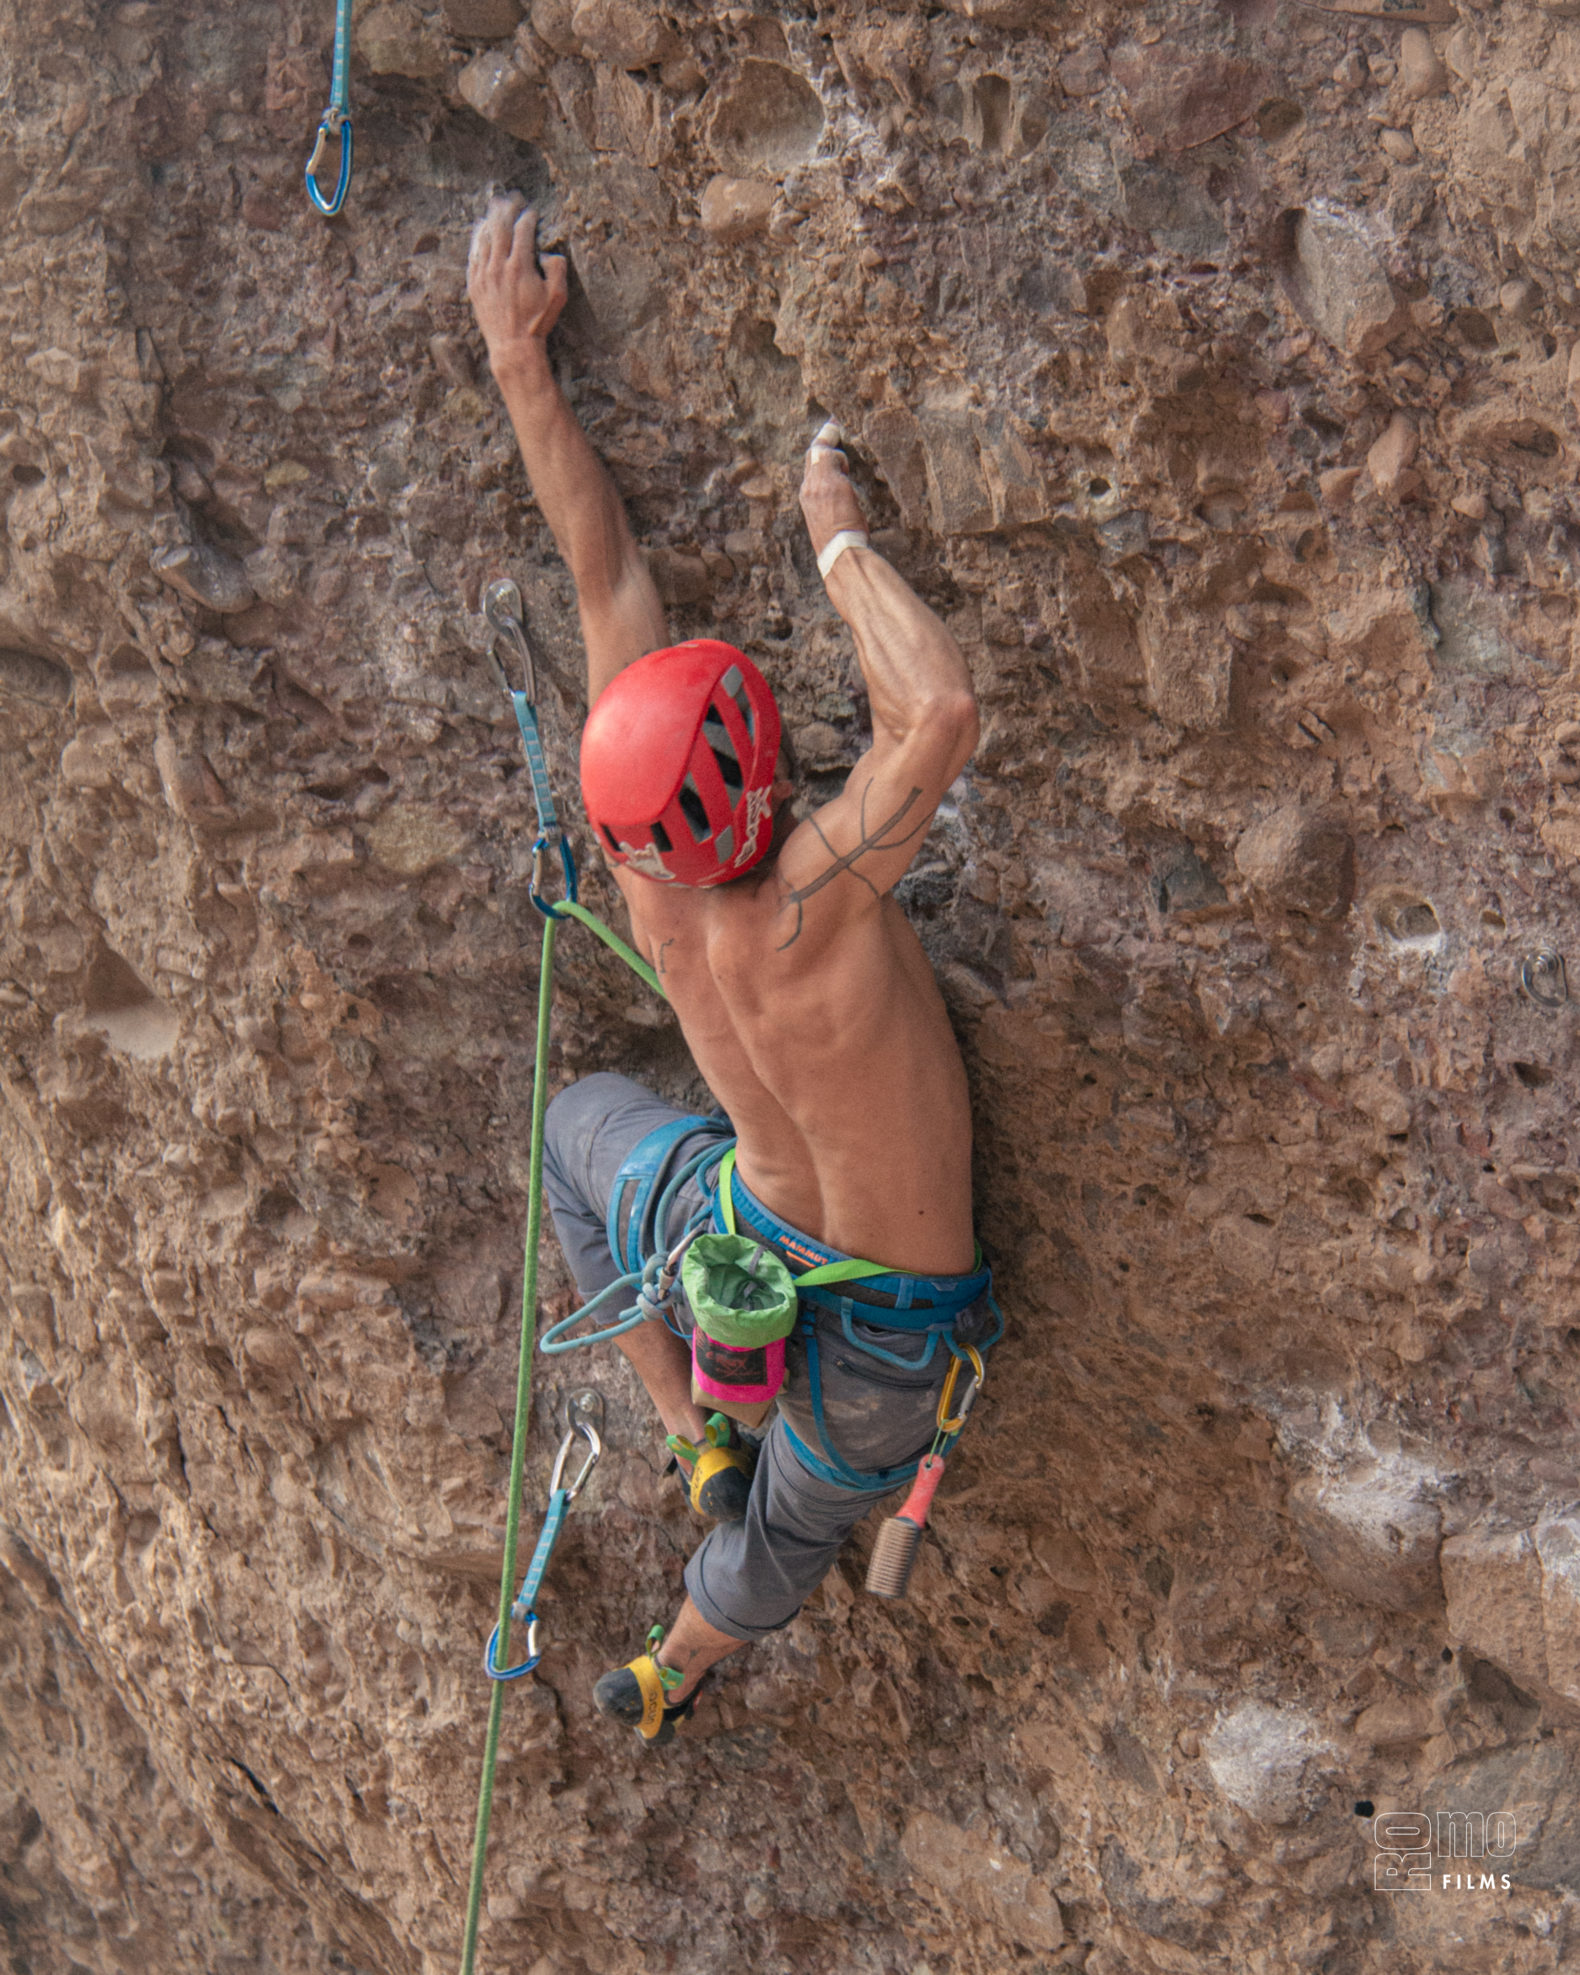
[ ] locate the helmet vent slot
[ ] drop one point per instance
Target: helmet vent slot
(614, 841)
(722, 748)
(694, 810)
(661, 838)
(735, 686)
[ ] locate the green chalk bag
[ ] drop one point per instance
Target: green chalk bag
(743, 1299)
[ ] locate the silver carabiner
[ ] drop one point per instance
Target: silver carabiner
(676, 1255)
(508, 620)
(584, 1412)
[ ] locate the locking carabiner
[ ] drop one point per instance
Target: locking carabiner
(949, 1425)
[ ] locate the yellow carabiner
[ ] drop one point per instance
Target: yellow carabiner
(978, 1373)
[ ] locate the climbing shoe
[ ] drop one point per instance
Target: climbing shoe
(720, 1482)
(635, 1694)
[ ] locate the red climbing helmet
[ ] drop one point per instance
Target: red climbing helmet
(678, 760)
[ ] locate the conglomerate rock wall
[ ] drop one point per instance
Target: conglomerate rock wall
(1210, 369)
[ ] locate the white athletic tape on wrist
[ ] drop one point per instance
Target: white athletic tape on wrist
(835, 547)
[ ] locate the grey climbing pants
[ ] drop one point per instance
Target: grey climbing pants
(749, 1578)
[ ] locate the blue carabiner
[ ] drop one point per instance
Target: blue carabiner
(540, 852)
(534, 1653)
(334, 123)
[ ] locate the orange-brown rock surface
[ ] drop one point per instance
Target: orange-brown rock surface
(1212, 370)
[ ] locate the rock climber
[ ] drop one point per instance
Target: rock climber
(800, 987)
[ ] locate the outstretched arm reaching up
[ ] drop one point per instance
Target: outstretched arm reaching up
(516, 305)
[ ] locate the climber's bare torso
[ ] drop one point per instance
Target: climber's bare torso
(801, 989)
(818, 1026)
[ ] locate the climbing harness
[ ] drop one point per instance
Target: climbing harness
(585, 1413)
(819, 1285)
(822, 1286)
(336, 120)
(900, 1536)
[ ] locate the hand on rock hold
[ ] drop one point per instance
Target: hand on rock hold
(516, 301)
(828, 500)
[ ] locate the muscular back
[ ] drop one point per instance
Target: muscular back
(819, 1027)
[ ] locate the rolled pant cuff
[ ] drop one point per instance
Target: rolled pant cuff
(721, 1620)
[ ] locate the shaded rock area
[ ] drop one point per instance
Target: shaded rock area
(1213, 371)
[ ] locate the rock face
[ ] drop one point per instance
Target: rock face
(1213, 371)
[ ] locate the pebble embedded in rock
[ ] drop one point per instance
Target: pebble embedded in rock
(551, 22)
(1269, 1760)
(1302, 860)
(629, 34)
(1084, 71)
(500, 90)
(482, 20)
(1399, 145)
(1421, 74)
(1342, 286)
(1390, 460)
(736, 208)
(1338, 484)
(1520, 298)
(207, 575)
(393, 38)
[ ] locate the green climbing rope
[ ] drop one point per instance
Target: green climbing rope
(505, 615)
(612, 940)
(518, 1454)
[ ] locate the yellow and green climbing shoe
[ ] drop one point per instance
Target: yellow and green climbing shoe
(721, 1470)
(635, 1694)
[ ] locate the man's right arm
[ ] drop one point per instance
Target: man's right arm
(517, 305)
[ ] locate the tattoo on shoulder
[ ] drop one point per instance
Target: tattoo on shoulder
(878, 838)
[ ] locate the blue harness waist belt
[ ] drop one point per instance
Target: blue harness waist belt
(928, 1306)
(889, 1299)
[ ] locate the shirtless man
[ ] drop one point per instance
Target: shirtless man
(800, 987)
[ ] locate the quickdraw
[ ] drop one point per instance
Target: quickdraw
(336, 120)
(507, 620)
(586, 1415)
